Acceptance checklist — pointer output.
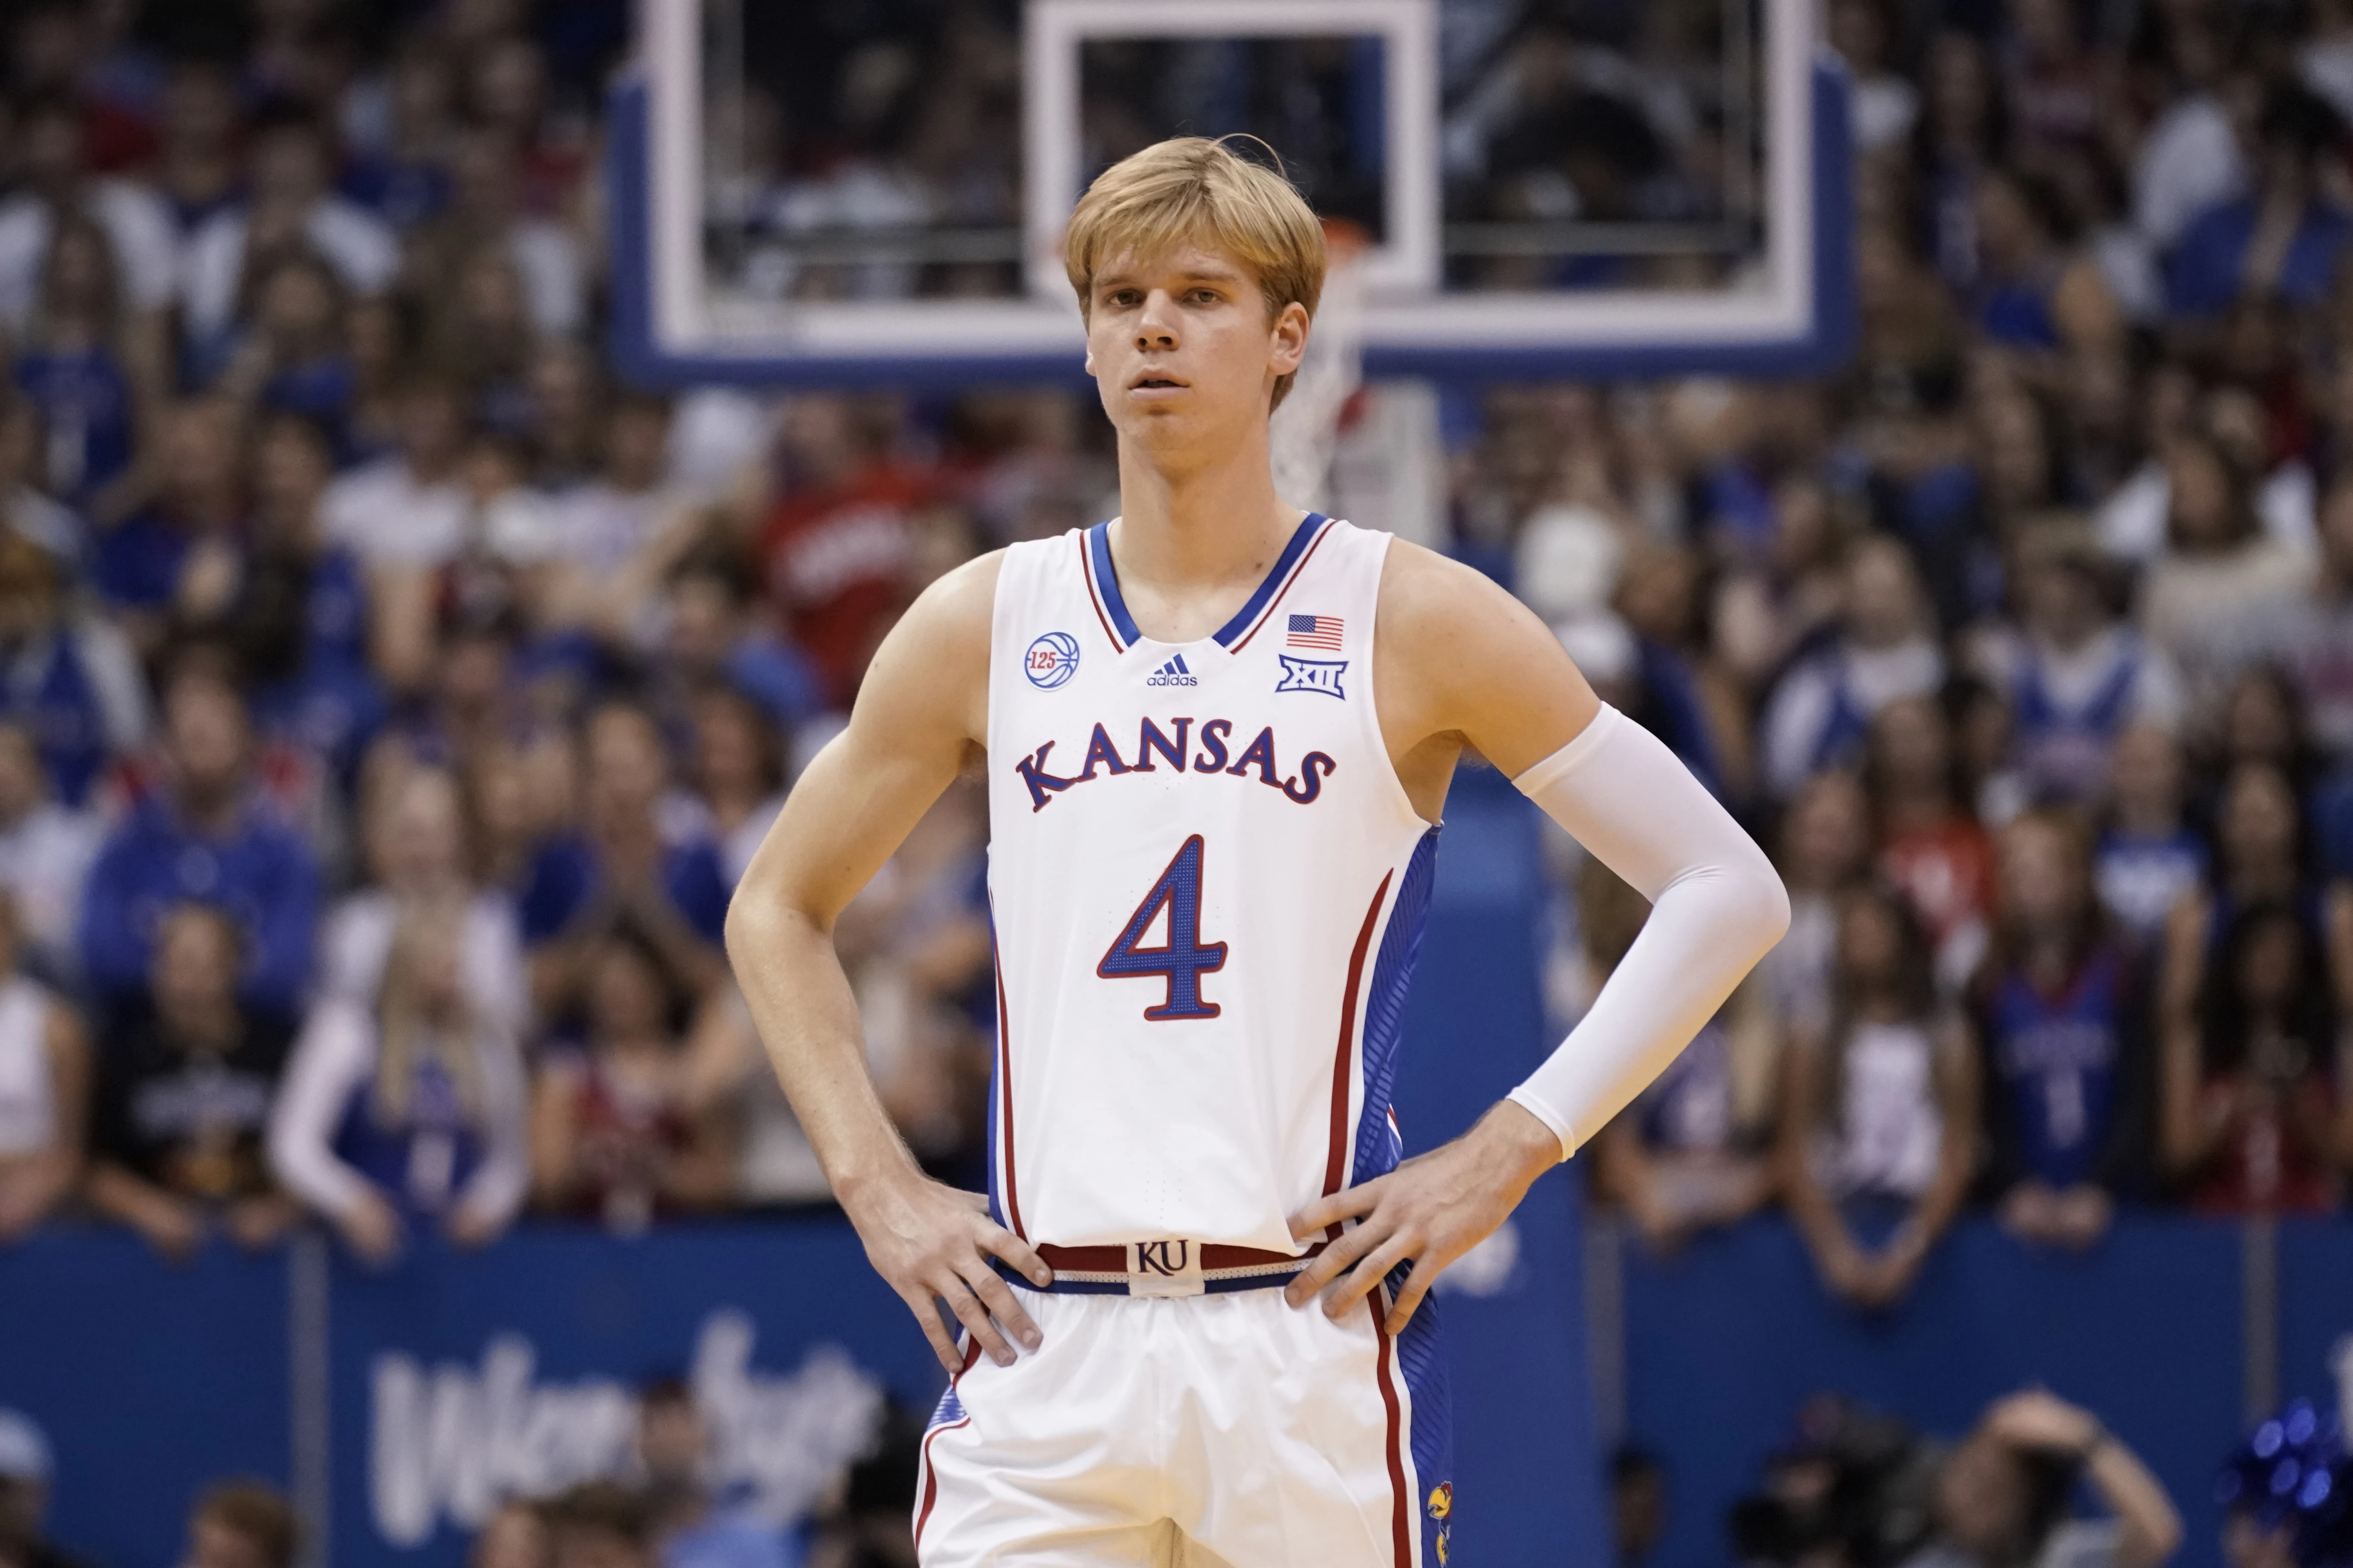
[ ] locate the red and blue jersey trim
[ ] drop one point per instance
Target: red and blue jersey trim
(1287, 567)
(1119, 627)
(1265, 613)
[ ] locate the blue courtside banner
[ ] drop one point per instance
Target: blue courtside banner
(461, 1380)
(455, 1377)
(148, 1380)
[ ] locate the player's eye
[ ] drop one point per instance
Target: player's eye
(1124, 299)
(1205, 296)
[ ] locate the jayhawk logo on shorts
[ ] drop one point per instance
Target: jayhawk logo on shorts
(1441, 1501)
(1442, 1547)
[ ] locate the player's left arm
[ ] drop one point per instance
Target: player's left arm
(1461, 665)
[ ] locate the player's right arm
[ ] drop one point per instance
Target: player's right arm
(921, 718)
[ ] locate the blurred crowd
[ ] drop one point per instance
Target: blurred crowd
(392, 695)
(2026, 642)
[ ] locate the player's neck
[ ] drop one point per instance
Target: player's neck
(1185, 524)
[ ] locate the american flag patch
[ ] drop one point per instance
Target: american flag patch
(1314, 631)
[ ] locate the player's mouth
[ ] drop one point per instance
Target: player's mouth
(1152, 385)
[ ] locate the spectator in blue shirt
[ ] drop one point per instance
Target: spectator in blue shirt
(300, 611)
(2283, 238)
(405, 179)
(146, 565)
(2035, 290)
(83, 373)
(25, 507)
(407, 1116)
(622, 863)
(70, 681)
(2148, 857)
(291, 358)
(204, 837)
(2065, 1057)
(717, 636)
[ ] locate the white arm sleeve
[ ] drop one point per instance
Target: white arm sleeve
(1716, 905)
(331, 1063)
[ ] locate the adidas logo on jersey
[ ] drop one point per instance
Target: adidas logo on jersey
(1173, 673)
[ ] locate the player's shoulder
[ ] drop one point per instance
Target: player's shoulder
(1458, 655)
(1418, 570)
(959, 604)
(1430, 598)
(932, 670)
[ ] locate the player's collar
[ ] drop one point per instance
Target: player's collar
(1105, 581)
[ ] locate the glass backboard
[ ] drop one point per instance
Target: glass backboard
(1603, 189)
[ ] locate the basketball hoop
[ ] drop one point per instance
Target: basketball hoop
(1306, 428)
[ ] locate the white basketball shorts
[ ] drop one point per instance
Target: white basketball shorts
(1202, 1430)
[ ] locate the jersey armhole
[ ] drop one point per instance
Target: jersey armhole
(1380, 741)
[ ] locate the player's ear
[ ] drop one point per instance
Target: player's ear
(1289, 339)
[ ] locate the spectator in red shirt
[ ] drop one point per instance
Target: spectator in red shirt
(837, 550)
(2250, 1109)
(1932, 848)
(2252, 973)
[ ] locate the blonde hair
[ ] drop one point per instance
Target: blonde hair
(1193, 190)
(406, 1037)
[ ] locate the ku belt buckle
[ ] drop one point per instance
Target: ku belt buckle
(1164, 1268)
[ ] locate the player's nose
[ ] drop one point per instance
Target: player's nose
(1156, 325)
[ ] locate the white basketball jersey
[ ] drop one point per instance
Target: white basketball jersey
(1208, 886)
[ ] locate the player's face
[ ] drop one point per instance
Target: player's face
(1182, 348)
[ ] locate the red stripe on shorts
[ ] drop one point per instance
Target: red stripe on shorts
(931, 1476)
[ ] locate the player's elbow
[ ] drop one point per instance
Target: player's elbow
(1754, 902)
(750, 926)
(1773, 901)
(762, 914)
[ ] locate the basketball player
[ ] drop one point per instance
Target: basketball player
(1217, 734)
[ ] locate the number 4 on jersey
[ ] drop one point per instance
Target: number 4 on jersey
(1186, 957)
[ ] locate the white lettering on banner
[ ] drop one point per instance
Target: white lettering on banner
(450, 1442)
(2340, 1361)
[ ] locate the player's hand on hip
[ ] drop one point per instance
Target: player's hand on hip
(1428, 1211)
(932, 1243)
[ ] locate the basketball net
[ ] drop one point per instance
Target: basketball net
(1306, 428)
